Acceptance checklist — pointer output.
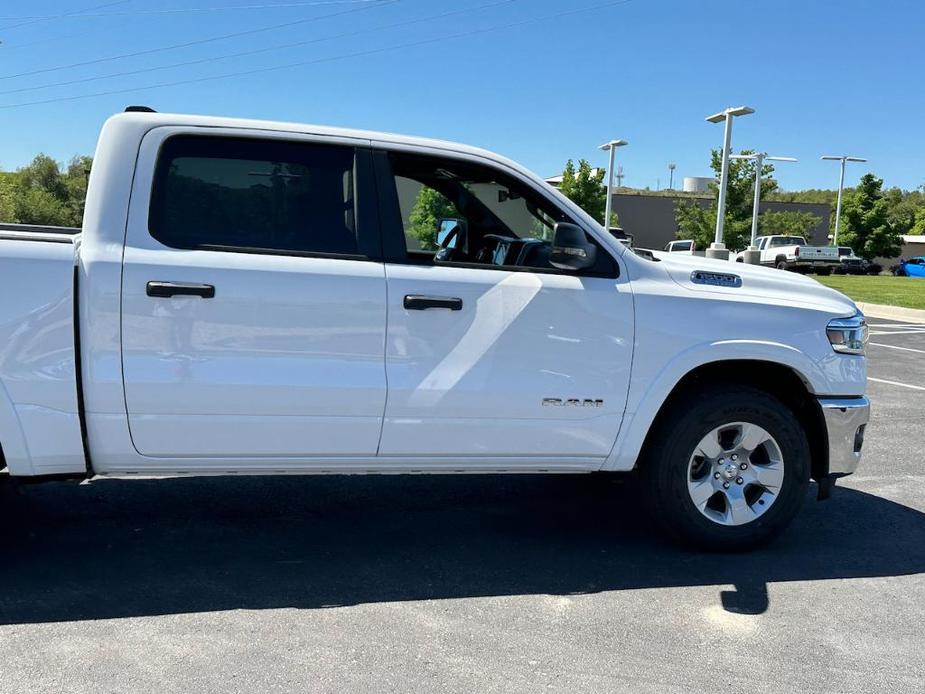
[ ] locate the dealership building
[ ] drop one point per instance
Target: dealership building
(649, 216)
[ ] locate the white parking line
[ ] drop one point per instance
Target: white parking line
(904, 349)
(897, 332)
(895, 383)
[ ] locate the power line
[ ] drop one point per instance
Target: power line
(199, 42)
(329, 59)
(179, 10)
(83, 34)
(36, 20)
(256, 51)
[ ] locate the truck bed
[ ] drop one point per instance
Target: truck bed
(39, 414)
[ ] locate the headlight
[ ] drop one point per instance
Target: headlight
(848, 335)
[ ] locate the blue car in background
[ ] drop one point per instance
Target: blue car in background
(913, 267)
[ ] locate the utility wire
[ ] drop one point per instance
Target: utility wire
(329, 59)
(178, 10)
(199, 42)
(36, 20)
(267, 49)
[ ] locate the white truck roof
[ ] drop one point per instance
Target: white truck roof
(126, 130)
(148, 120)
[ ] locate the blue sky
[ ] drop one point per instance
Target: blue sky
(825, 76)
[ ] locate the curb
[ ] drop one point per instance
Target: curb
(910, 315)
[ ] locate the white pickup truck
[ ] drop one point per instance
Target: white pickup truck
(793, 253)
(264, 298)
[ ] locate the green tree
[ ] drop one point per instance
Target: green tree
(38, 206)
(585, 187)
(697, 222)
(43, 173)
(905, 209)
(868, 228)
(41, 193)
(429, 208)
(787, 222)
(819, 196)
(75, 182)
(8, 198)
(918, 226)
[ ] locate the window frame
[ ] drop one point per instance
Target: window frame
(365, 208)
(394, 246)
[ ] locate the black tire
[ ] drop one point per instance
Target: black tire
(664, 466)
(823, 271)
(781, 264)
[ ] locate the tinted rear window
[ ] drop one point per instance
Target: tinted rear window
(248, 194)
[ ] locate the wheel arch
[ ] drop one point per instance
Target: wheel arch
(783, 381)
(780, 381)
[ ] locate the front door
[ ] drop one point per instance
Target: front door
(491, 352)
(253, 324)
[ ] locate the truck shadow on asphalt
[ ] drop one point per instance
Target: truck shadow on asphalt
(151, 547)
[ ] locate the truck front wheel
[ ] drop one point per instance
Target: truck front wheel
(726, 470)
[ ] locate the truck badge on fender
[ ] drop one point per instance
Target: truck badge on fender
(571, 402)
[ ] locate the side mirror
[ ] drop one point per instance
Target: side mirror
(571, 249)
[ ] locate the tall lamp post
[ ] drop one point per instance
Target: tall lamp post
(718, 249)
(671, 168)
(608, 207)
(841, 188)
(752, 255)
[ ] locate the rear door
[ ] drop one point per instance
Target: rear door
(492, 353)
(253, 318)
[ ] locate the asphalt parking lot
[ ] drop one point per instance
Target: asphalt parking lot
(468, 584)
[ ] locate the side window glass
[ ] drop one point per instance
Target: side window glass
(246, 194)
(458, 212)
(423, 211)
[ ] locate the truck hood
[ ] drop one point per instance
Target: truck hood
(778, 287)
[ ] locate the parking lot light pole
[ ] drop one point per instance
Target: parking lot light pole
(608, 206)
(718, 249)
(752, 255)
(841, 187)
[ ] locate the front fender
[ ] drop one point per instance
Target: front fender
(642, 409)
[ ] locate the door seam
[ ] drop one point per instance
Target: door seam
(385, 359)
